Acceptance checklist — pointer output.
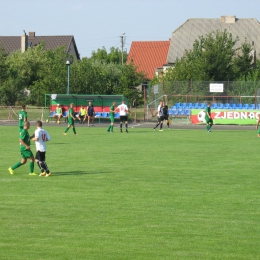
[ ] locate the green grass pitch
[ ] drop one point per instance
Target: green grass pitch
(177, 194)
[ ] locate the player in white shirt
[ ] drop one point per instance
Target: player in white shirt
(160, 116)
(123, 112)
(41, 136)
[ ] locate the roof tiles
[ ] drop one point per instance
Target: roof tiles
(148, 56)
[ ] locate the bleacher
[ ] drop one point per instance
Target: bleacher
(184, 109)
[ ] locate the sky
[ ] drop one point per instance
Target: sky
(100, 23)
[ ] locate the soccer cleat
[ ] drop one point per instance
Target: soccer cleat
(108, 131)
(48, 174)
(209, 131)
(160, 130)
(42, 174)
(75, 134)
(64, 134)
(153, 129)
(11, 170)
(32, 173)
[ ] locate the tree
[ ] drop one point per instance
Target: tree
(3, 65)
(114, 56)
(211, 59)
(244, 62)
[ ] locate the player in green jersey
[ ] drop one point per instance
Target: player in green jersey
(257, 127)
(112, 117)
(25, 150)
(208, 118)
(22, 116)
(71, 119)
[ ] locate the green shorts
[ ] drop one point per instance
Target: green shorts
(209, 120)
(26, 154)
(70, 121)
(112, 119)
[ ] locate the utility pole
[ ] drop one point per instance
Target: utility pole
(122, 47)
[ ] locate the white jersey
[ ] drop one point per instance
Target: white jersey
(159, 110)
(43, 138)
(123, 109)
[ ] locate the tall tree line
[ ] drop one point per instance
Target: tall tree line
(26, 77)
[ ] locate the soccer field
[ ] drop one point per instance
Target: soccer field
(176, 194)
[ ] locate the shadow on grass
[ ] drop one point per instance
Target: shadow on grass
(57, 174)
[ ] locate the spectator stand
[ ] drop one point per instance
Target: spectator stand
(101, 104)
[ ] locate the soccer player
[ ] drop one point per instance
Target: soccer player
(58, 113)
(208, 117)
(82, 115)
(22, 115)
(257, 127)
(41, 136)
(91, 113)
(112, 117)
(123, 111)
(166, 114)
(160, 116)
(71, 119)
(25, 150)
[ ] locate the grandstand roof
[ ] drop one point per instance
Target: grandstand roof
(183, 37)
(148, 56)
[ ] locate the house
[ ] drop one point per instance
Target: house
(148, 56)
(184, 36)
(14, 43)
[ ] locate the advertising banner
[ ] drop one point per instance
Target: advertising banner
(226, 117)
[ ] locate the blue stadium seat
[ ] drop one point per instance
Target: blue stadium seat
(196, 105)
(220, 106)
(170, 112)
(173, 107)
(190, 105)
(239, 106)
(245, 106)
(252, 106)
(175, 112)
(98, 114)
(104, 114)
(233, 106)
(214, 106)
(177, 105)
(187, 112)
(226, 106)
(202, 105)
(65, 113)
(117, 115)
(52, 114)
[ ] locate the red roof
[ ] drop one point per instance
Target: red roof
(148, 56)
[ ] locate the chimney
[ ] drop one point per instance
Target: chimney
(31, 34)
(228, 19)
(24, 42)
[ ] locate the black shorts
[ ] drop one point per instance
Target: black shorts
(90, 114)
(166, 117)
(40, 156)
(123, 118)
(160, 118)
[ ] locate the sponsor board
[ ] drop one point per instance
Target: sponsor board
(226, 117)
